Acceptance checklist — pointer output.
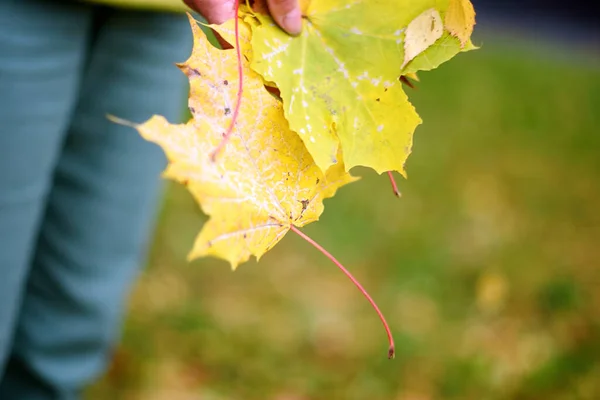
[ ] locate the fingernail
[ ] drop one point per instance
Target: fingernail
(292, 22)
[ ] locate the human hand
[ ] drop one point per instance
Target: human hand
(286, 13)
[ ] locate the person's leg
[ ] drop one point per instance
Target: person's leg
(42, 49)
(101, 208)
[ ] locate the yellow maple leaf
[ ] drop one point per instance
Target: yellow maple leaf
(460, 20)
(264, 181)
(332, 97)
(339, 79)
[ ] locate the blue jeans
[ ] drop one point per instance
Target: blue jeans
(78, 193)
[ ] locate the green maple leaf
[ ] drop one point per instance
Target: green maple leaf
(339, 79)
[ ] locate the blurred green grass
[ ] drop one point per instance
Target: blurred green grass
(487, 268)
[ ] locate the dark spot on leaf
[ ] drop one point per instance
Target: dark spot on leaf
(385, 90)
(192, 110)
(305, 204)
(378, 99)
(245, 236)
(225, 82)
(227, 110)
(192, 72)
(318, 180)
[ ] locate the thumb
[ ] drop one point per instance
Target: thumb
(287, 15)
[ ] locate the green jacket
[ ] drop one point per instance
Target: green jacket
(163, 5)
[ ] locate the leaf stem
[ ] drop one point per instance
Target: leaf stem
(391, 350)
(394, 184)
(240, 92)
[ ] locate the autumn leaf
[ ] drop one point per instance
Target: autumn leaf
(264, 182)
(339, 80)
(460, 20)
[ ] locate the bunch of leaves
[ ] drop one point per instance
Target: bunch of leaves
(279, 121)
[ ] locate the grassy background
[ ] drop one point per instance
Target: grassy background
(487, 268)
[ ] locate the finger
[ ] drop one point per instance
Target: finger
(215, 11)
(260, 6)
(287, 15)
